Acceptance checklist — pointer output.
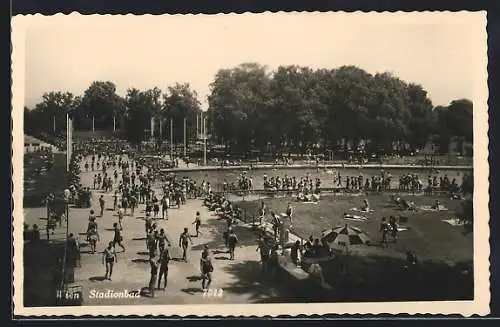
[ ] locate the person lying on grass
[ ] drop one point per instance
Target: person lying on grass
(301, 197)
(353, 217)
(403, 204)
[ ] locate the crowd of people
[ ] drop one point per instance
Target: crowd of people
(306, 187)
(130, 185)
(118, 173)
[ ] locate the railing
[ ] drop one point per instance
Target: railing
(330, 190)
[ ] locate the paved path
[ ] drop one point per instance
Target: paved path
(240, 280)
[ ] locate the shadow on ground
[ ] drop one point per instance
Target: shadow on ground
(384, 278)
(250, 280)
(216, 228)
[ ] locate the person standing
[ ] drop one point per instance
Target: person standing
(384, 230)
(121, 213)
(115, 200)
(232, 240)
(152, 242)
(184, 240)
(163, 263)
(262, 212)
(289, 212)
(109, 258)
(92, 236)
(197, 223)
(165, 204)
(394, 228)
(265, 250)
(206, 268)
(276, 225)
(154, 274)
(162, 241)
(133, 204)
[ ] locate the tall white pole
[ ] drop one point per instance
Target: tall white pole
(68, 141)
(152, 128)
(93, 125)
(204, 141)
(197, 126)
(54, 123)
(114, 123)
(171, 138)
(185, 137)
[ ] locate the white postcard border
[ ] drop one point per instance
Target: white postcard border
(480, 304)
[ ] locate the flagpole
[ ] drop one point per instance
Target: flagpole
(205, 141)
(185, 138)
(171, 138)
(68, 143)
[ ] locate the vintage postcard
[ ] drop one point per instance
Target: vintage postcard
(250, 165)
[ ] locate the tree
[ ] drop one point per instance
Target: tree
(460, 117)
(140, 107)
(423, 120)
(49, 116)
(179, 103)
(100, 102)
(454, 122)
(236, 104)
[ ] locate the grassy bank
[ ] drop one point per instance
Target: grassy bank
(40, 178)
(428, 235)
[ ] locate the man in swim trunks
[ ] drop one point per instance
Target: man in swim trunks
(206, 269)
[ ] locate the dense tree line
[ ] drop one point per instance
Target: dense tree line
(296, 108)
(101, 108)
(289, 109)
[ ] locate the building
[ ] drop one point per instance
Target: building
(32, 144)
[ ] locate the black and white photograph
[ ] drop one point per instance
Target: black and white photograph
(250, 164)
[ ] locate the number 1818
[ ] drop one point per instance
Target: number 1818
(216, 292)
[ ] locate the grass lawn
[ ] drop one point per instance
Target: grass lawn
(374, 273)
(427, 234)
(39, 181)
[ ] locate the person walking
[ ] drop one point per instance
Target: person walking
(184, 240)
(109, 258)
(118, 238)
(197, 223)
(206, 268)
(154, 274)
(163, 263)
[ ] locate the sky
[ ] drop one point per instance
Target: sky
(68, 53)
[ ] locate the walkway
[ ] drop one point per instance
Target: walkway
(238, 279)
